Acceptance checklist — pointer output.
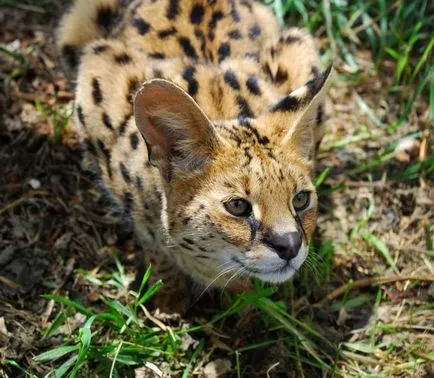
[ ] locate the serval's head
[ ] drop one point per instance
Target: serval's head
(240, 196)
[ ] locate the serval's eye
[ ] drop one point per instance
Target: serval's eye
(301, 201)
(238, 207)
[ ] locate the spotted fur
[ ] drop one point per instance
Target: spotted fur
(187, 104)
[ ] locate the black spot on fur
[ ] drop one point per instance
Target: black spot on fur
(81, 115)
(186, 220)
(281, 76)
(173, 10)
(122, 58)
(234, 11)
(231, 79)
(134, 140)
(196, 14)
(224, 51)
(157, 56)
(254, 32)
(133, 86)
(90, 147)
(141, 25)
(125, 173)
(252, 86)
(234, 34)
(188, 76)
(107, 155)
(211, 35)
(287, 104)
(70, 55)
(188, 47)
(216, 17)
(128, 202)
(105, 17)
(245, 110)
(167, 32)
(157, 74)
(186, 246)
(189, 241)
(96, 92)
(139, 183)
(123, 125)
(290, 39)
(99, 49)
(107, 121)
(247, 4)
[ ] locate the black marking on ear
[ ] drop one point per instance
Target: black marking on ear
(122, 59)
(287, 104)
(245, 110)
(105, 17)
(141, 25)
(234, 11)
(107, 121)
(187, 47)
(188, 76)
(234, 34)
(157, 55)
(317, 83)
(107, 155)
(216, 17)
(99, 49)
(167, 32)
(134, 140)
(125, 173)
(254, 32)
(173, 10)
(252, 86)
(70, 54)
(96, 91)
(223, 51)
(81, 115)
(231, 79)
(196, 14)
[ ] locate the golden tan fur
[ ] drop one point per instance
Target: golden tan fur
(213, 120)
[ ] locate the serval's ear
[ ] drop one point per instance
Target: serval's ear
(300, 107)
(179, 136)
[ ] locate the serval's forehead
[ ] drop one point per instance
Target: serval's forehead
(262, 170)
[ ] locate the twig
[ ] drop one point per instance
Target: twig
(371, 282)
(17, 202)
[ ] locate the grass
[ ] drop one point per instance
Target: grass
(119, 335)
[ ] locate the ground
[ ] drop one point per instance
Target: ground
(362, 306)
